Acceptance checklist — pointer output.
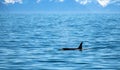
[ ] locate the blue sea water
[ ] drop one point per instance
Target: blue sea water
(31, 41)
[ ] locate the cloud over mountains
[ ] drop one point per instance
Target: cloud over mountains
(103, 3)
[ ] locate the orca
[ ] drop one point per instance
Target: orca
(79, 48)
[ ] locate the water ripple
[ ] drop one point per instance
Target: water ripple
(33, 42)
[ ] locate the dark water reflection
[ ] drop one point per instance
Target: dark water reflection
(31, 42)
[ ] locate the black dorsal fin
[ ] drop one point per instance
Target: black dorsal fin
(80, 46)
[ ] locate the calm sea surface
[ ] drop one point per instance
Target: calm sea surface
(31, 42)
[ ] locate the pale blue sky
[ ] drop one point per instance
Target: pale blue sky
(60, 6)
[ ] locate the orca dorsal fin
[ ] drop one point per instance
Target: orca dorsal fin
(80, 46)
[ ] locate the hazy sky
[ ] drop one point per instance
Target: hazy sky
(60, 6)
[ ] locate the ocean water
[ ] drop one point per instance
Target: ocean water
(31, 41)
